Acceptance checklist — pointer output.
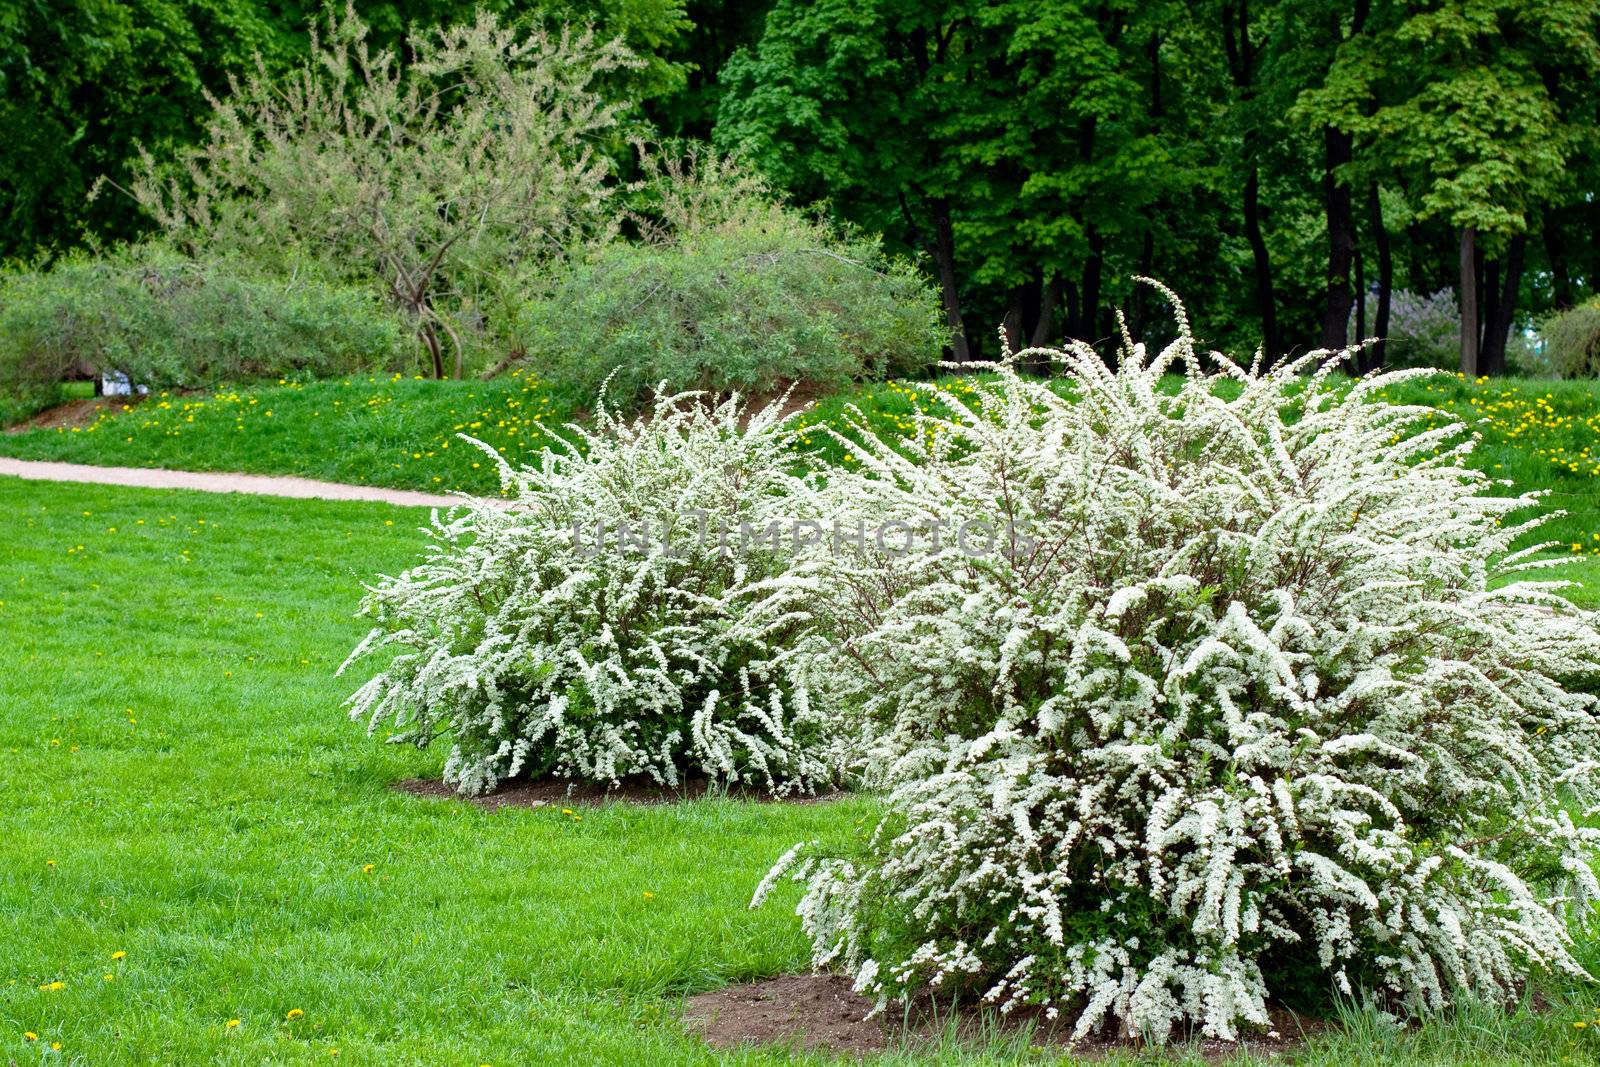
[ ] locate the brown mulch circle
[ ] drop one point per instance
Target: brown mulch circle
(823, 1013)
(549, 792)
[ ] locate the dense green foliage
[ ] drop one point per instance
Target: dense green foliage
(163, 321)
(1290, 165)
(1043, 154)
(731, 290)
(83, 83)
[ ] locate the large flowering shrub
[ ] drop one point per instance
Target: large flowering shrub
(1230, 694)
(623, 616)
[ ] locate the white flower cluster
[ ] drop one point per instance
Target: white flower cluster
(1252, 689)
(538, 654)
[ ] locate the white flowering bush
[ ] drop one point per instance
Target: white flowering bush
(602, 625)
(1236, 692)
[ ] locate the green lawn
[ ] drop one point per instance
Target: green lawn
(182, 787)
(388, 431)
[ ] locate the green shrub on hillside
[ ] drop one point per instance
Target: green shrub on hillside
(169, 322)
(729, 290)
(1572, 341)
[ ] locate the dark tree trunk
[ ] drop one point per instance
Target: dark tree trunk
(944, 257)
(1416, 274)
(1469, 301)
(1087, 329)
(1336, 152)
(1373, 358)
(1361, 298)
(1499, 321)
(1011, 326)
(1560, 276)
(1022, 312)
(1266, 302)
(1044, 329)
(1241, 56)
(1141, 292)
(1488, 303)
(430, 340)
(1477, 260)
(1044, 326)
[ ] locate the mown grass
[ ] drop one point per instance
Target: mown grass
(373, 430)
(181, 786)
(196, 835)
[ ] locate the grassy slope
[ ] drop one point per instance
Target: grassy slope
(181, 786)
(398, 432)
(401, 432)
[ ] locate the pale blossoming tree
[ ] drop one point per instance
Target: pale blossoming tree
(441, 179)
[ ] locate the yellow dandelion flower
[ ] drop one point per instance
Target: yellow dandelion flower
(232, 1023)
(294, 1013)
(368, 868)
(29, 1035)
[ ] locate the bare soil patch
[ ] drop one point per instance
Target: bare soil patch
(795, 398)
(74, 413)
(822, 1013)
(815, 1012)
(548, 792)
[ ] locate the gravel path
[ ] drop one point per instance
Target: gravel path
(208, 482)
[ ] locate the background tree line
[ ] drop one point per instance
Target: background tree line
(1289, 165)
